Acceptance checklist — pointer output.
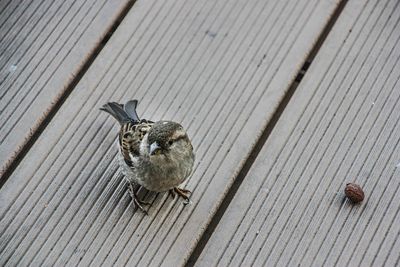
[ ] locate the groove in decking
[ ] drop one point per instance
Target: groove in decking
(219, 67)
(44, 48)
(340, 126)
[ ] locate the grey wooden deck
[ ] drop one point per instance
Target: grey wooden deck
(342, 125)
(44, 45)
(274, 151)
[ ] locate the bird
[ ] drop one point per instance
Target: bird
(157, 156)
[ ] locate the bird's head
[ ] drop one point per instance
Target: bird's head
(167, 138)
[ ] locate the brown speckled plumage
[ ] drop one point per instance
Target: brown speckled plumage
(156, 155)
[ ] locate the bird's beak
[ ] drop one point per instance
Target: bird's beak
(154, 148)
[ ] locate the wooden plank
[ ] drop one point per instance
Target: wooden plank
(218, 67)
(43, 46)
(342, 125)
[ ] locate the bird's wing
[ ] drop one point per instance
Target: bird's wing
(130, 137)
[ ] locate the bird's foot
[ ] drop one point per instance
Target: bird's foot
(135, 199)
(184, 193)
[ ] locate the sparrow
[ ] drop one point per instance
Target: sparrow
(155, 155)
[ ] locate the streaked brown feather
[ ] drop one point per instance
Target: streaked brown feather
(130, 137)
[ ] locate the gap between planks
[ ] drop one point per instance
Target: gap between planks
(45, 119)
(263, 138)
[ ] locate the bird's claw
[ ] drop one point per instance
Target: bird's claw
(184, 193)
(135, 199)
(137, 204)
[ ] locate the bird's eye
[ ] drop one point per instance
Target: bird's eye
(170, 142)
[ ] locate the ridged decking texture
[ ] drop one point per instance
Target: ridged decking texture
(218, 67)
(43, 45)
(342, 125)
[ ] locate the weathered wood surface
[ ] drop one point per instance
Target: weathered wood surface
(342, 125)
(43, 45)
(219, 67)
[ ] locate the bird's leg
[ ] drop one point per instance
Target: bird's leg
(184, 193)
(135, 198)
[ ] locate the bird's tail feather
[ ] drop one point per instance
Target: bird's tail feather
(122, 113)
(130, 109)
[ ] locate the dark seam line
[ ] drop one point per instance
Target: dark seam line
(23, 149)
(263, 138)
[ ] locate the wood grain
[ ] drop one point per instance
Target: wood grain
(219, 67)
(341, 126)
(43, 46)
